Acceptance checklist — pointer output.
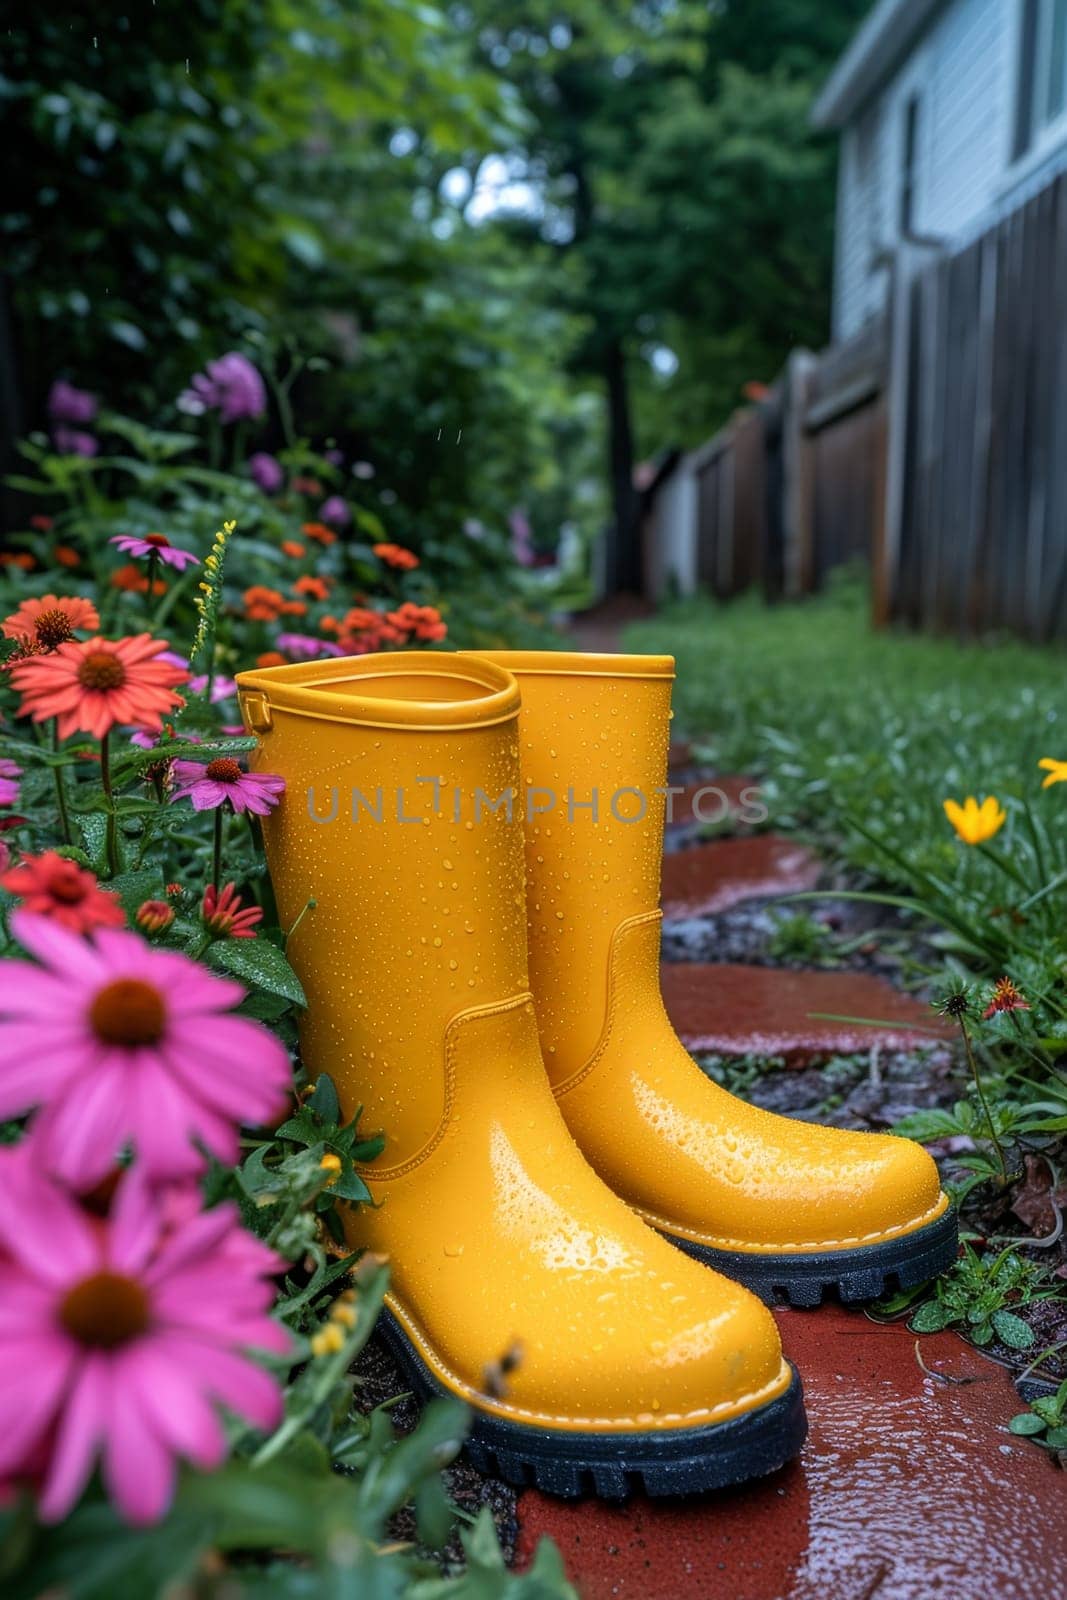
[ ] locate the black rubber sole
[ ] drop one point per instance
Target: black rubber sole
(614, 1466)
(854, 1275)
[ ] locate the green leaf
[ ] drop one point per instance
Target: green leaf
(1012, 1330)
(930, 1318)
(261, 963)
(1057, 1438)
(324, 1100)
(1026, 1423)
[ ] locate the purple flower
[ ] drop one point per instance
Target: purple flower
(154, 544)
(73, 442)
(334, 512)
(336, 458)
(222, 688)
(231, 385)
(68, 404)
(210, 786)
(305, 647)
(266, 472)
(9, 786)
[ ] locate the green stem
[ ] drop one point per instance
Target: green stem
(216, 850)
(983, 1101)
(61, 789)
(112, 822)
(153, 568)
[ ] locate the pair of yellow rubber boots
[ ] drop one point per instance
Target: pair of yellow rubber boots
(481, 836)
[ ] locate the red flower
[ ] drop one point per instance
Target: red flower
(50, 620)
(91, 686)
(314, 588)
(394, 555)
(223, 915)
(1005, 997)
(54, 887)
(422, 622)
(319, 532)
(153, 916)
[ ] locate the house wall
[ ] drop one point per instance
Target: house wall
(963, 70)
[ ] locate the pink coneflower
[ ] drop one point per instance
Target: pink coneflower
(90, 686)
(125, 1333)
(231, 385)
(118, 1042)
(157, 545)
(266, 472)
(10, 773)
(306, 647)
(334, 512)
(52, 886)
(68, 404)
(224, 779)
(223, 914)
(222, 688)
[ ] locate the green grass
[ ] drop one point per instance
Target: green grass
(843, 723)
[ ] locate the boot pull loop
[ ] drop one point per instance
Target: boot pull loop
(255, 709)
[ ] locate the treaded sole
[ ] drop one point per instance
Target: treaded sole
(854, 1275)
(614, 1466)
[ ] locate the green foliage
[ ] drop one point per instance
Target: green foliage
(982, 1295)
(801, 939)
(1046, 1421)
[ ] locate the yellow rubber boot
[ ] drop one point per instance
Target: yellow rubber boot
(637, 1366)
(786, 1207)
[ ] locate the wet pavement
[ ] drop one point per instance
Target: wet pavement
(909, 1487)
(724, 1009)
(708, 878)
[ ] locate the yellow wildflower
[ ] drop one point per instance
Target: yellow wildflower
(332, 1165)
(327, 1341)
(1057, 771)
(975, 823)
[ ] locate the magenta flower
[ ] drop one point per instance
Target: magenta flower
(334, 512)
(266, 472)
(118, 1042)
(10, 774)
(75, 442)
(224, 779)
(231, 385)
(120, 1338)
(68, 404)
(222, 688)
(306, 647)
(155, 544)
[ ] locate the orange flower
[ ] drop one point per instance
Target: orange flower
(263, 604)
(364, 630)
(319, 531)
(41, 522)
(132, 579)
(329, 625)
(67, 556)
(50, 620)
(423, 622)
(294, 608)
(293, 547)
(306, 485)
(270, 658)
(20, 558)
(1005, 997)
(90, 686)
(394, 555)
(314, 588)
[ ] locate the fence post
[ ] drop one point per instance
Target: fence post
(798, 477)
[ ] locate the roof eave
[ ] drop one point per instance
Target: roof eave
(876, 48)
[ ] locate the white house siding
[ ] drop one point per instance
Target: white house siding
(963, 70)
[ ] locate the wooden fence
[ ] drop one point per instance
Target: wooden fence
(979, 540)
(933, 444)
(788, 490)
